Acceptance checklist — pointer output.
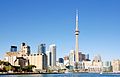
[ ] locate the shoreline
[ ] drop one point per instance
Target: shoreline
(26, 73)
(53, 73)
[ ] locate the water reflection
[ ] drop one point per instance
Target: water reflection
(64, 75)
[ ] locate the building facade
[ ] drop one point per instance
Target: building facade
(25, 49)
(116, 65)
(72, 57)
(52, 50)
(42, 49)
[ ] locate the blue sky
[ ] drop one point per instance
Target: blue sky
(53, 22)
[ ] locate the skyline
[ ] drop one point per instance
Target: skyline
(49, 22)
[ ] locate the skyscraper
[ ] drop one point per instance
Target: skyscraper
(49, 58)
(72, 57)
(41, 48)
(13, 49)
(52, 49)
(25, 49)
(76, 35)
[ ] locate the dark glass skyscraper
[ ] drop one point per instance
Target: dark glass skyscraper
(61, 60)
(42, 49)
(13, 49)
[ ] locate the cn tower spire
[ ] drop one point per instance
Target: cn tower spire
(76, 20)
(77, 40)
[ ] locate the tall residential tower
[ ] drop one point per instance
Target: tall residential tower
(52, 49)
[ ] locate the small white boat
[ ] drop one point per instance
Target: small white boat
(101, 72)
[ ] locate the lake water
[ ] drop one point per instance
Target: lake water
(65, 75)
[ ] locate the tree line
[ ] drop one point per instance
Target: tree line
(6, 67)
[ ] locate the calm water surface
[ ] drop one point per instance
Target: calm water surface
(65, 75)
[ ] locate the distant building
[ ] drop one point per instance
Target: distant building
(13, 49)
(66, 61)
(87, 57)
(42, 49)
(60, 60)
(107, 67)
(52, 49)
(25, 49)
(72, 57)
(81, 56)
(116, 65)
(97, 58)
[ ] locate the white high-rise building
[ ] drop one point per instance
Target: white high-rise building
(72, 57)
(52, 49)
(48, 57)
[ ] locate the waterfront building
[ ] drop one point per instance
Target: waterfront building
(42, 49)
(11, 57)
(39, 60)
(20, 61)
(80, 66)
(116, 65)
(52, 49)
(107, 67)
(93, 66)
(60, 64)
(87, 65)
(66, 61)
(23, 58)
(96, 66)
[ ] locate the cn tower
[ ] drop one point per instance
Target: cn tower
(76, 35)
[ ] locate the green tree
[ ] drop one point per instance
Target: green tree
(6, 63)
(28, 68)
(1, 62)
(7, 68)
(16, 68)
